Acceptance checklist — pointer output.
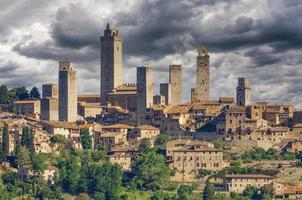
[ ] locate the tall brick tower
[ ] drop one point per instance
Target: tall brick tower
(67, 92)
(111, 61)
(175, 82)
(203, 75)
(243, 92)
(145, 89)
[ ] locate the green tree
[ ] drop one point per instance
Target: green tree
(21, 93)
(250, 191)
(86, 139)
(209, 192)
(39, 162)
(27, 139)
(184, 192)
(23, 157)
(34, 93)
(150, 171)
(5, 142)
(106, 179)
(219, 196)
(145, 145)
(60, 140)
(267, 191)
(162, 140)
(4, 98)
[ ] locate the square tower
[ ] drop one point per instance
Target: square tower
(175, 81)
(165, 90)
(145, 88)
(49, 102)
(67, 92)
(203, 75)
(111, 62)
(50, 90)
(243, 92)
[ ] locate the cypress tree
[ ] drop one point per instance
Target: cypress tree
(5, 142)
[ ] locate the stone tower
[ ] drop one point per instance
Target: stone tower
(49, 102)
(111, 61)
(243, 92)
(67, 92)
(175, 81)
(203, 75)
(165, 90)
(145, 88)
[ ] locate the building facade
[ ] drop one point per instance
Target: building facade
(67, 92)
(111, 61)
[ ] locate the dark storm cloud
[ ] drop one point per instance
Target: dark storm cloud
(73, 28)
(47, 51)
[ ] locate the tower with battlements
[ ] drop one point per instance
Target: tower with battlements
(111, 61)
(145, 89)
(243, 92)
(203, 75)
(67, 92)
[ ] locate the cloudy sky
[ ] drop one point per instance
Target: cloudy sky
(258, 39)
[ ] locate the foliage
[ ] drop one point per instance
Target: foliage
(34, 93)
(4, 98)
(184, 192)
(162, 140)
(27, 139)
(150, 171)
(145, 145)
(86, 139)
(209, 192)
(217, 144)
(5, 142)
(219, 196)
(39, 162)
(99, 180)
(250, 192)
(23, 157)
(203, 173)
(270, 154)
(60, 140)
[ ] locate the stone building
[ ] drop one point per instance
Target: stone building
(203, 75)
(89, 98)
(67, 92)
(234, 119)
(28, 107)
(145, 88)
(111, 61)
(297, 117)
(175, 82)
(159, 100)
(243, 92)
(165, 90)
(238, 182)
(49, 102)
(124, 96)
(189, 156)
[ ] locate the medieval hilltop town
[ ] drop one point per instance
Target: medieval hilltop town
(229, 143)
